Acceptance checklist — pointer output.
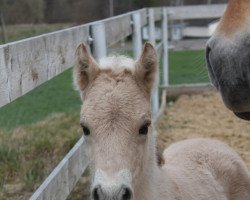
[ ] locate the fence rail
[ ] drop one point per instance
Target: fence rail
(63, 178)
(28, 63)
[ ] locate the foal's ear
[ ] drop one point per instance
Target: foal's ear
(146, 68)
(85, 69)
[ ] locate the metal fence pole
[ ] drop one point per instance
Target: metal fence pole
(151, 25)
(155, 97)
(137, 39)
(165, 47)
(99, 40)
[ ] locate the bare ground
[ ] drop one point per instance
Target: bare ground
(204, 115)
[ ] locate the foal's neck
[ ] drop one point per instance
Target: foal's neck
(153, 182)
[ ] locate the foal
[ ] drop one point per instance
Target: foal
(120, 139)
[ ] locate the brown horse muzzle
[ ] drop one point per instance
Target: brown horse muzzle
(229, 71)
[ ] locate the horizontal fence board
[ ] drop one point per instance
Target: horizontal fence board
(63, 178)
(117, 28)
(29, 63)
(196, 12)
(144, 16)
(180, 89)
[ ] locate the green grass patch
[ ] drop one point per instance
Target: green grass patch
(22, 31)
(54, 96)
(28, 154)
(187, 67)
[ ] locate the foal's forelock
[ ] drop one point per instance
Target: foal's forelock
(117, 62)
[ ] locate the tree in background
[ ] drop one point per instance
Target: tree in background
(78, 11)
(24, 11)
(83, 11)
(57, 11)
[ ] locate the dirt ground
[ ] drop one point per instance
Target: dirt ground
(204, 115)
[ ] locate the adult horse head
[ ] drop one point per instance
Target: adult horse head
(228, 57)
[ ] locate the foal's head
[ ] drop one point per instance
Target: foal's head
(228, 57)
(116, 119)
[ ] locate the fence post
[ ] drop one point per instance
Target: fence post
(99, 40)
(155, 97)
(137, 40)
(165, 47)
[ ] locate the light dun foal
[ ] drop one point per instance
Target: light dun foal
(120, 139)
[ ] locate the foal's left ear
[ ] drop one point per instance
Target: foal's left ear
(147, 67)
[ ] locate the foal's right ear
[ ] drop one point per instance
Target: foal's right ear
(85, 69)
(147, 68)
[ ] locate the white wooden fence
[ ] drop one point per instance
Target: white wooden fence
(26, 64)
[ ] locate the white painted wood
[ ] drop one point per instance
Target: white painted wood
(196, 32)
(117, 28)
(29, 63)
(188, 44)
(157, 14)
(177, 90)
(145, 33)
(144, 16)
(4, 86)
(165, 46)
(137, 38)
(196, 12)
(63, 178)
(99, 40)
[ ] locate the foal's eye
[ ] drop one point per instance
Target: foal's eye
(144, 129)
(86, 131)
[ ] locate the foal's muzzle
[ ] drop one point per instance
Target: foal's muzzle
(117, 186)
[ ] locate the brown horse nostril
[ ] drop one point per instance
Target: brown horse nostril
(127, 194)
(95, 193)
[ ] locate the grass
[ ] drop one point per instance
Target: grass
(54, 96)
(21, 31)
(39, 128)
(187, 67)
(28, 154)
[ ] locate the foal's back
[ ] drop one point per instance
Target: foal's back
(207, 169)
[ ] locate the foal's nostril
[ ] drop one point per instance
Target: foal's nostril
(95, 193)
(127, 194)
